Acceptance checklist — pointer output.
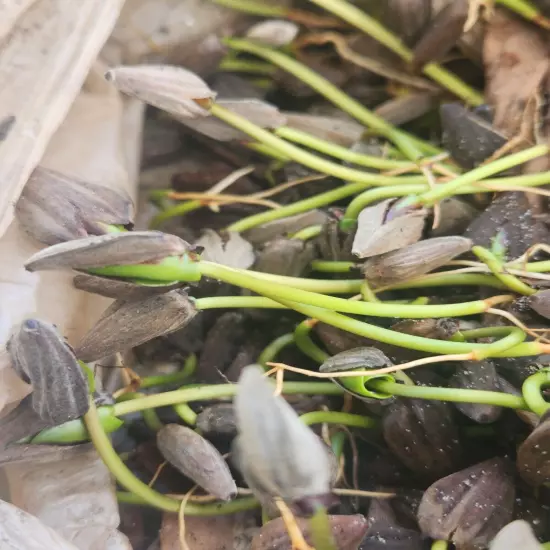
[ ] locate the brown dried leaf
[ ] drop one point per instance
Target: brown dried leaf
(197, 459)
(125, 325)
(348, 532)
(110, 249)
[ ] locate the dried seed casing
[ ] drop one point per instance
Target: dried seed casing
(540, 302)
(413, 260)
(125, 325)
(469, 507)
(440, 329)
(197, 459)
(533, 454)
(111, 249)
(40, 355)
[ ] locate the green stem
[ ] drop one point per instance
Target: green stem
(150, 417)
(497, 268)
(337, 151)
(270, 352)
(412, 147)
(454, 395)
(449, 279)
(357, 18)
(247, 66)
(527, 10)
(440, 545)
(254, 7)
(325, 266)
(308, 233)
(477, 174)
(321, 532)
(186, 413)
(302, 156)
(177, 210)
(219, 302)
(217, 391)
(334, 417)
(186, 372)
(306, 345)
(532, 391)
(191, 509)
(242, 279)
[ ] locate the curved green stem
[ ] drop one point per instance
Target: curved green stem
(498, 269)
(334, 417)
(532, 391)
(246, 66)
(321, 532)
(255, 7)
(302, 156)
(306, 345)
(308, 233)
(337, 151)
(354, 16)
(191, 509)
(412, 147)
(448, 279)
(176, 210)
(270, 352)
(219, 302)
(150, 417)
(186, 372)
(186, 413)
(454, 395)
(216, 391)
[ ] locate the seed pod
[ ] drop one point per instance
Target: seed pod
(285, 257)
(347, 531)
(469, 507)
(386, 533)
(55, 208)
(363, 359)
(286, 226)
(456, 215)
(273, 32)
(540, 302)
(111, 249)
(377, 235)
(444, 31)
(277, 453)
(469, 138)
(517, 535)
(533, 457)
(477, 375)
(125, 325)
(258, 112)
(439, 329)
(408, 18)
(172, 89)
(120, 289)
(423, 435)
(229, 249)
(218, 419)
(198, 459)
(414, 260)
(41, 356)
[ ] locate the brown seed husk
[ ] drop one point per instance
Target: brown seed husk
(540, 302)
(376, 235)
(469, 507)
(120, 289)
(111, 249)
(55, 208)
(125, 325)
(60, 388)
(414, 260)
(218, 419)
(348, 532)
(198, 459)
(172, 89)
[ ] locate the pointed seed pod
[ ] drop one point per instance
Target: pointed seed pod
(111, 249)
(120, 289)
(41, 356)
(477, 375)
(125, 325)
(517, 535)
(197, 459)
(278, 455)
(469, 507)
(414, 260)
(55, 208)
(423, 435)
(540, 302)
(359, 359)
(533, 456)
(175, 90)
(377, 235)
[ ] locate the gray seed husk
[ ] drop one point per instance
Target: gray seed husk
(125, 325)
(60, 388)
(198, 459)
(414, 260)
(106, 250)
